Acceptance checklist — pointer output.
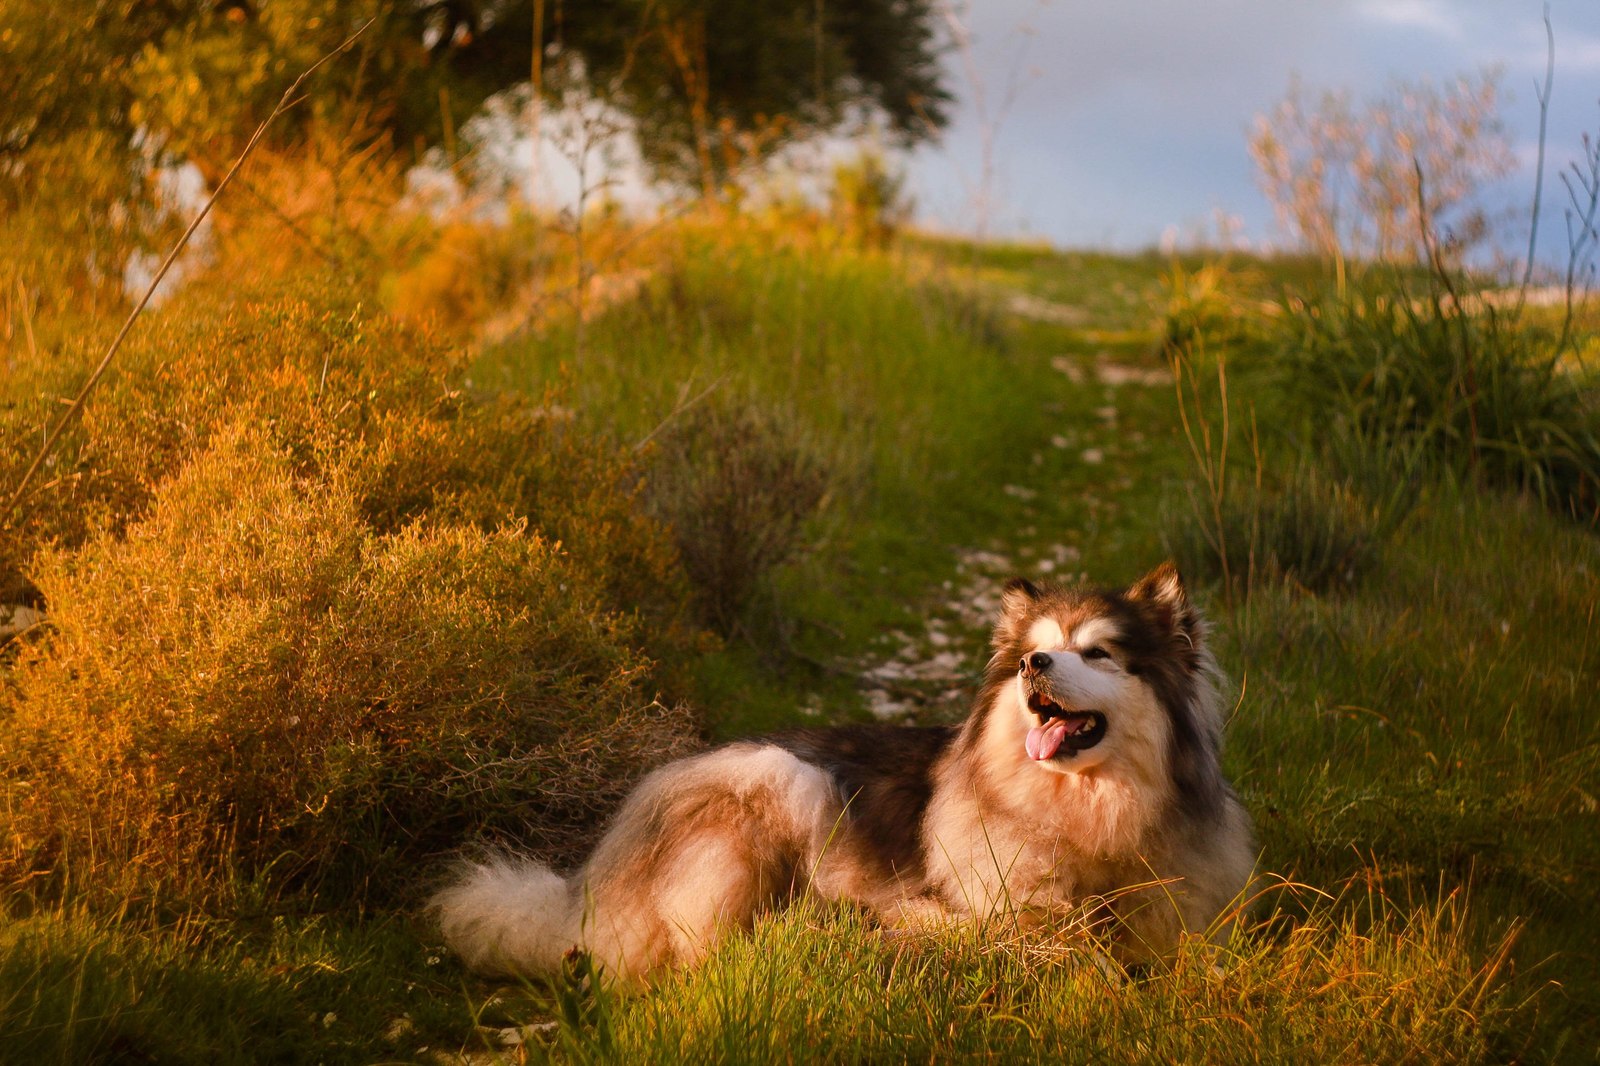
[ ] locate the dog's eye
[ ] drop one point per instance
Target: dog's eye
(1095, 653)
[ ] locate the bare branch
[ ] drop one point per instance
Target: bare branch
(1544, 118)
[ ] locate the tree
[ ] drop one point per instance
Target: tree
(699, 76)
(192, 77)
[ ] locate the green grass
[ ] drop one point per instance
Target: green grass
(1425, 733)
(1418, 748)
(918, 397)
(1388, 983)
(1436, 723)
(1483, 392)
(96, 988)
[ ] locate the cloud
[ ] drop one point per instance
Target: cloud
(1432, 16)
(1128, 117)
(1578, 53)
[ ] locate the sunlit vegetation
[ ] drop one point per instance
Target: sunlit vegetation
(415, 521)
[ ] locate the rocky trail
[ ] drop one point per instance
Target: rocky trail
(930, 672)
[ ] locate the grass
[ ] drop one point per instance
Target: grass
(887, 372)
(847, 995)
(97, 988)
(1433, 722)
(1479, 390)
(1417, 746)
(1421, 730)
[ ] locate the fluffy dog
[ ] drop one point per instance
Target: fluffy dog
(1084, 785)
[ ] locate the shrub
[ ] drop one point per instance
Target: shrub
(1310, 527)
(303, 357)
(868, 200)
(1374, 182)
(738, 485)
(1311, 531)
(471, 272)
(385, 616)
(1469, 387)
(331, 382)
(1212, 303)
(252, 680)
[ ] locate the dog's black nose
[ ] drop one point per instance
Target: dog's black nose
(1037, 663)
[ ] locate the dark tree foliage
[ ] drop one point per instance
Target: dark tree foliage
(699, 76)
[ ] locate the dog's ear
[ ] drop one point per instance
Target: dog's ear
(1017, 601)
(1163, 590)
(1018, 597)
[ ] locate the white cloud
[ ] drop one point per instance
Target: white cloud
(1577, 53)
(1433, 16)
(1129, 117)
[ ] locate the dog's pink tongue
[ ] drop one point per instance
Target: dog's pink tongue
(1044, 740)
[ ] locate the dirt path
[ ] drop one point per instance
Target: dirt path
(930, 672)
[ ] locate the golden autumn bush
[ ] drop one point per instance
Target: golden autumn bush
(318, 612)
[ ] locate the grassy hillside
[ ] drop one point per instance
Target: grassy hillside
(782, 477)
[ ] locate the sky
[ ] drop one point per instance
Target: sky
(1123, 124)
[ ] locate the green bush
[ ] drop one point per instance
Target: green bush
(1214, 302)
(1310, 531)
(738, 485)
(1464, 385)
(868, 199)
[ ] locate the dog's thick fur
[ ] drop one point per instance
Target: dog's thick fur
(1084, 784)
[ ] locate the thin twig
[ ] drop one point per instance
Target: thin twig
(536, 104)
(287, 101)
(17, 635)
(1213, 469)
(982, 193)
(25, 305)
(1441, 272)
(1582, 182)
(1538, 169)
(679, 408)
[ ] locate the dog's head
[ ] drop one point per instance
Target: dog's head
(1109, 680)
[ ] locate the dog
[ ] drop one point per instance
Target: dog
(1084, 787)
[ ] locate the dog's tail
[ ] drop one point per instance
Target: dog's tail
(509, 915)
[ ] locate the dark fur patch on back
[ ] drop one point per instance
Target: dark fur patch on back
(885, 775)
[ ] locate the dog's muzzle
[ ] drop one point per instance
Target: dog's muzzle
(1062, 731)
